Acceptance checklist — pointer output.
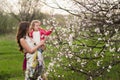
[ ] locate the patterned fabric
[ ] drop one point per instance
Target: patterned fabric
(33, 68)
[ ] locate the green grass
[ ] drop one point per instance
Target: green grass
(10, 59)
(11, 66)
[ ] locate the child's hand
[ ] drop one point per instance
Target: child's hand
(43, 47)
(52, 29)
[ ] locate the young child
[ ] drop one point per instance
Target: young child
(38, 34)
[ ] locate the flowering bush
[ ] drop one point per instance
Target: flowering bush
(87, 44)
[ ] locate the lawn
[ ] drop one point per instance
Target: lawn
(10, 59)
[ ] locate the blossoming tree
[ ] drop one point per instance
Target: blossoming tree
(89, 42)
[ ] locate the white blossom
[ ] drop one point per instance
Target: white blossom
(58, 75)
(97, 30)
(78, 60)
(118, 49)
(109, 15)
(81, 52)
(116, 30)
(64, 35)
(83, 29)
(96, 54)
(55, 42)
(107, 45)
(108, 70)
(62, 75)
(70, 43)
(71, 39)
(66, 56)
(98, 63)
(103, 67)
(44, 22)
(113, 54)
(91, 78)
(118, 57)
(81, 69)
(64, 67)
(106, 33)
(109, 66)
(51, 64)
(112, 49)
(102, 55)
(99, 39)
(46, 73)
(70, 55)
(83, 64)
(72, 71)
(69, 64)
(109, 21)
(111, 43)
(67, 49)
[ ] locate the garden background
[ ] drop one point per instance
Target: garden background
(85, 43)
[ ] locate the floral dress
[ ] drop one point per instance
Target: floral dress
(33, 69)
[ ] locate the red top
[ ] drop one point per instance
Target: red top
(43, 33)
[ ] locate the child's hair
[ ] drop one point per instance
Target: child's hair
(33, 23)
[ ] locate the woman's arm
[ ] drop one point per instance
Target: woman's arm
(27, 48)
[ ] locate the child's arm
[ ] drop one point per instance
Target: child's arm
(46, 32)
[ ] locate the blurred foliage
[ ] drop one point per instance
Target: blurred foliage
(7, 23)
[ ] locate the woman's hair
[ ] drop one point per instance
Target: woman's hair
(33, 23)
(21, 33)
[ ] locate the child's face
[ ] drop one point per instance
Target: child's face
(36, 27)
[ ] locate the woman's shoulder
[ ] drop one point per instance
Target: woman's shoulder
(25, 40)
(22, 39)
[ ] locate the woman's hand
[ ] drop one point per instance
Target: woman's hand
(42, 42)
(42, 45)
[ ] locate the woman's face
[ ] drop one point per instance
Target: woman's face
(36, 27)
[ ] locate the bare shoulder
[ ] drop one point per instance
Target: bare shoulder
(22, 40)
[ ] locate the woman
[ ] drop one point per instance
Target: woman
(27, 46)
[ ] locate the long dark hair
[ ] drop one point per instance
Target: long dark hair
(22, 31)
